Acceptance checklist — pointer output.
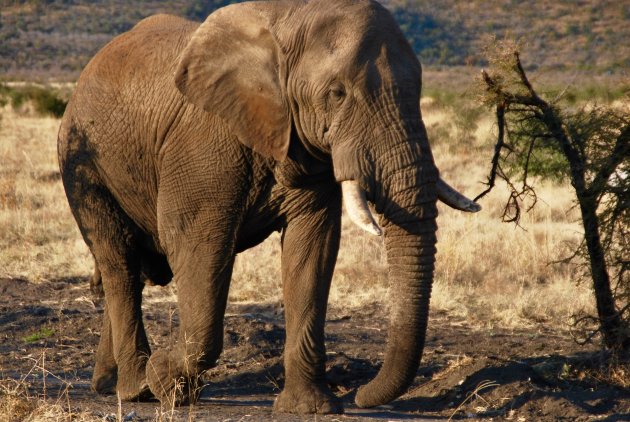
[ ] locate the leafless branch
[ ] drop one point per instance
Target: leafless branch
(497, 149)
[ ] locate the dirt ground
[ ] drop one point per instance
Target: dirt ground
(49, 332)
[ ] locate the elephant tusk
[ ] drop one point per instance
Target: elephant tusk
(357, 207)
(454, 199)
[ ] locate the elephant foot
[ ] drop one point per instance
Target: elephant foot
(306, 399)
(168, 383)
(132, 384)
(104, 380)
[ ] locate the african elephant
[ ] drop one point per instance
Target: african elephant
(185, 144)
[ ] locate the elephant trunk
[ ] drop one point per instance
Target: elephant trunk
(409, 223)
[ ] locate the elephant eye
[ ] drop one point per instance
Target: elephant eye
(337, 92)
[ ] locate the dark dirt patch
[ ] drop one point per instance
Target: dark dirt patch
(466, 372)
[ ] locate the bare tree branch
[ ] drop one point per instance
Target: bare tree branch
(499, 145)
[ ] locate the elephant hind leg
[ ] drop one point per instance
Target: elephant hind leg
(105, 375)
(105, 369)
(113, 239)
(155, 271)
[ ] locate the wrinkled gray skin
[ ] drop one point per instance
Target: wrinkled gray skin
(184, 145)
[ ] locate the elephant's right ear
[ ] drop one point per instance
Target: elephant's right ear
(230, 68)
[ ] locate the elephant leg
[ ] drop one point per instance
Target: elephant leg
(200, 213)
(202, 283)
(105, 369)
(112, 238)
(123, 296)
(310, 244)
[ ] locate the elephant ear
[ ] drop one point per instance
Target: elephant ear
(231, 68)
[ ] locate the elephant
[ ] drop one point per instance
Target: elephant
(184, 144)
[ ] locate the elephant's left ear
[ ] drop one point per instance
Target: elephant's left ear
(230, 68)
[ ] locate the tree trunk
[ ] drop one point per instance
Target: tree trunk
(615, 338)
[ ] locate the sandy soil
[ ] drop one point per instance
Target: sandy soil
(467, 372)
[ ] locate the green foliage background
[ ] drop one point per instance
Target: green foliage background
(45, 100)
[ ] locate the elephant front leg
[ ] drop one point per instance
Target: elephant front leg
(309, 250)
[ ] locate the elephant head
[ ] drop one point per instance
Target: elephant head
(339, 77)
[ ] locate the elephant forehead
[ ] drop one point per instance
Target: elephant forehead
(354, 45)
(371, 72)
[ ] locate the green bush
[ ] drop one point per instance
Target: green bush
(45, 100)
(600, 93)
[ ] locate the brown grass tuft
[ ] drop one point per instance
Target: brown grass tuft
(19, 402)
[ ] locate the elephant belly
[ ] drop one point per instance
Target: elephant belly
(264, 214)
(255, 231)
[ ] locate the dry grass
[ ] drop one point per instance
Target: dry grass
(39, 238)
(22, 401)
(19, 402)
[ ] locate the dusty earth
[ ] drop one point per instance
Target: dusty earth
(467, 372)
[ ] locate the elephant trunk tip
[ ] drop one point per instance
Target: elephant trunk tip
(373, 394)
(365, 400)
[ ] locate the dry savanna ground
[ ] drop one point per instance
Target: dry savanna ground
(499, 343)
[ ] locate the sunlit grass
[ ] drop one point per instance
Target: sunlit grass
(39, 239)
